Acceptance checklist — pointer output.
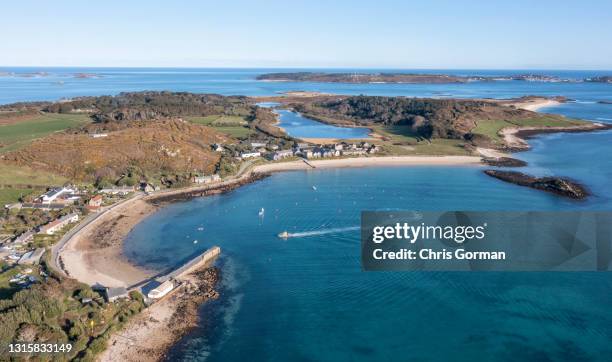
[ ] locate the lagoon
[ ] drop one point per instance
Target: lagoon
(299, 126)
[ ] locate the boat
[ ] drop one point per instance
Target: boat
(283, 235)
(314, 188)
(261, 212)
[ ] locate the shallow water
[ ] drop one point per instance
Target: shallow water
(306, 298)
(299, 126)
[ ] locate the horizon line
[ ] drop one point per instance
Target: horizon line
(299, 67)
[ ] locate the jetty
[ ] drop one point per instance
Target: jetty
(167, 282)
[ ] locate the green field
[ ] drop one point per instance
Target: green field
(402, 141)
(8, 196)
(234, 126)
(491, 128)
(24, 181)
(17, 135)
(13, 175)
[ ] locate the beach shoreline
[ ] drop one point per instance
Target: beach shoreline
(84, 259)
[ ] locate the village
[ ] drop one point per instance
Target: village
(65, 206)
(307, 150)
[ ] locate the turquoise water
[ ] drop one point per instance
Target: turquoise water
(307, 299)
(299, 126)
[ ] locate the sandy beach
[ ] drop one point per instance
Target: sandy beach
(95, 254)
(536, 103)
(370, 162)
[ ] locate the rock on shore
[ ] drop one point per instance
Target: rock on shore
(556, 185)
(503, 162)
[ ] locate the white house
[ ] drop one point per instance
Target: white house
(257, 144)
(56, 225)
(99, 135)
(161, 290)
(117, 190)
(245, 155)
(206, 179)
(279, 155)
(53, 194)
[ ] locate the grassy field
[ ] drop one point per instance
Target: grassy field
(234, 126)
(491, 128)
(12, 175)
(402, 141)
(37, 181)
(16, 135)
(8, 196)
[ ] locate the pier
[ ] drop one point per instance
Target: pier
(175, 275)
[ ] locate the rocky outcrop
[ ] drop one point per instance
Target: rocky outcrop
(503, 162)
(555, 185)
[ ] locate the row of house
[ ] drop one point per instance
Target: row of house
(58, 224)
(340, 149)
(205, 179)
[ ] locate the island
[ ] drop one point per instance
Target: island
(417, 78)
(98, 165)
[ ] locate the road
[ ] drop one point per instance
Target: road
(56, 250)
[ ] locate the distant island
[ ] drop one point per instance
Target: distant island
(415, 78)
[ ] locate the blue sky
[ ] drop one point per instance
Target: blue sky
(380, 34)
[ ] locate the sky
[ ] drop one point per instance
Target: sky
(365, 34)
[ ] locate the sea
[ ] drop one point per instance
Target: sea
(306, 298)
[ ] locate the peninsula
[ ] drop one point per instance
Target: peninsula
(76, 189)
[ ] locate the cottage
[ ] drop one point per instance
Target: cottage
(258, 144)
(114, 293)
(206, 179)
(279, 155)
(245, 155)
(32, 257)
(99, 135)
(56, 225)
(161, 290)
(117, 190)
(354, 152)
(95, 202)
(218, 148)
(147, 187)
(54, 195)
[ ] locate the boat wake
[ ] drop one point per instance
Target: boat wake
(321, 232)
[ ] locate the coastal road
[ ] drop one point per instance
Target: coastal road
(57, 249)
(60, 245)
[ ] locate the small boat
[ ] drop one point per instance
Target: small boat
(283, 235)
(200, 228)
(195, 241)
(314, 188)
(261, 212)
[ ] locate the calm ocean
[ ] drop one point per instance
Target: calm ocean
(307, 299)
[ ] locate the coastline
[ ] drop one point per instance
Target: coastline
(95, 253)
(149, 335)
(154, 325)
